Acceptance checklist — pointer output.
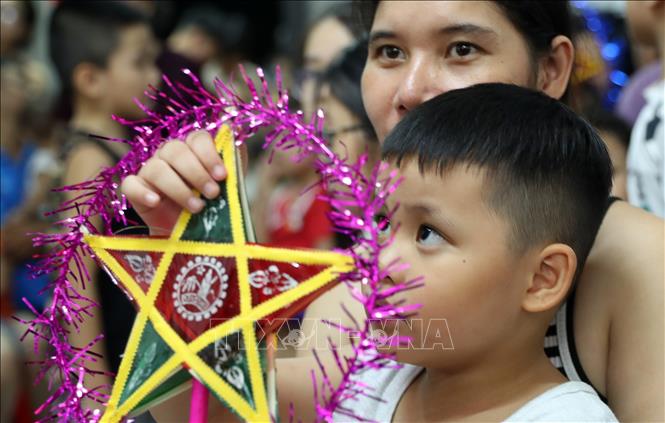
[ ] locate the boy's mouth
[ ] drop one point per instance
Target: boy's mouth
(386, 306)
(384, 310)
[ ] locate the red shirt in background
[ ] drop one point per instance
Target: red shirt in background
(298, 220)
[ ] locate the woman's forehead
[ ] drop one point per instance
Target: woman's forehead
(437, 15)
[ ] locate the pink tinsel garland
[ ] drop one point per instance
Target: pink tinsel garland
(355, 199)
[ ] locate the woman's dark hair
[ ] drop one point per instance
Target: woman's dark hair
(539, 21)
(343, 76)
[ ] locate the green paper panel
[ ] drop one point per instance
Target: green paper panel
(152, 352)
(228, 358)
(213, 224)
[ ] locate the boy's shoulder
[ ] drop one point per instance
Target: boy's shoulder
(568, 402)
(386, 386)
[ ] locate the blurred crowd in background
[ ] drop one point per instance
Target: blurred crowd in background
(67, 67)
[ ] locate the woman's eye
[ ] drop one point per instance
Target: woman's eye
(462, 49)
(390, 52)
(428, 236)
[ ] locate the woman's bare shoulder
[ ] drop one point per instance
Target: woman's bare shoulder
(620, 294)
(629, 229)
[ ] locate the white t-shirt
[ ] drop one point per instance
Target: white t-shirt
(568, 402)
(645, 154)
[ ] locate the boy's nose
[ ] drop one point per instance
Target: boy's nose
(421, 82)
(392, 263)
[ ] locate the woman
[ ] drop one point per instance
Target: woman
(617, 313)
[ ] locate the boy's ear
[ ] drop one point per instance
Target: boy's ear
(88, 80)
(555, 69)
(551, 279)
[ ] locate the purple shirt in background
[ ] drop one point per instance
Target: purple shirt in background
(631, 100)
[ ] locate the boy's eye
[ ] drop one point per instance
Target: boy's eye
(428, 236)
(383, 225)
(390, 52)
(462, 49)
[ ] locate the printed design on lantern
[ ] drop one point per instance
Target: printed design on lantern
(211, 216)
(200, 288)
(142, 266)
(296, 338)
(228, 363)
(270, 279)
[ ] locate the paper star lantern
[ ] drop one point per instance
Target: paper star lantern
(204, 296)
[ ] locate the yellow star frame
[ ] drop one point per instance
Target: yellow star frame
(186, 353)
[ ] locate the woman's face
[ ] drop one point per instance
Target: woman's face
(419, 49)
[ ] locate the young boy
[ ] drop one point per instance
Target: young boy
(104, 54)
(497, 212)
(504, 190)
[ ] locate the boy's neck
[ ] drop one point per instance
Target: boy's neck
(491, 391)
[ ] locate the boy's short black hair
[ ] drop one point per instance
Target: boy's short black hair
(547, 171)
(87, 31)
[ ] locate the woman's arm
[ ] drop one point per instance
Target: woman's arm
(328, 307)
(619, 318)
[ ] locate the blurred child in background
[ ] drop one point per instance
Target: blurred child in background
(338, 94)
(28, 168)
(104, 54)
(23, 181)
(324, 41)
(285, 212)
(207, 36)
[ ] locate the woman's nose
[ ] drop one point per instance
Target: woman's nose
(421, 82)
